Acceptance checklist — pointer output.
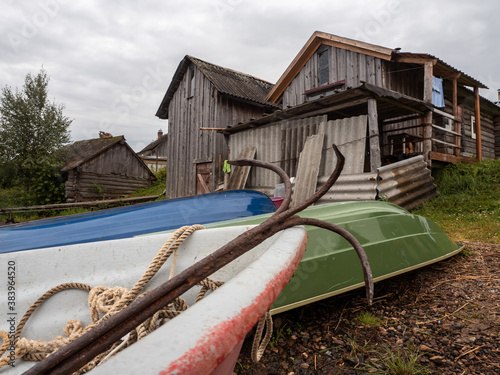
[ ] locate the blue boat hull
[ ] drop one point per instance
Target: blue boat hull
(129, 221)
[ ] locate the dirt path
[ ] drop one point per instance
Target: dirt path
(445, 316)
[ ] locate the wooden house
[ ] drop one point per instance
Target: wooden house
(382, 107)
(155, 153)
(103, 168)
(200, 98)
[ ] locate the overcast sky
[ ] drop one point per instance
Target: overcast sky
(110, 63)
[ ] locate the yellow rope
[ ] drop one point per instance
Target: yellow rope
(104, 302)
(258, 350)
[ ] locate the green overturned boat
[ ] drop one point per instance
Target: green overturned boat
(395, 242)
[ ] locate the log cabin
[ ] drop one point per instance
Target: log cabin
(105, 167)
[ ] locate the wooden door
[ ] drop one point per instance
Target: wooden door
(203, 178)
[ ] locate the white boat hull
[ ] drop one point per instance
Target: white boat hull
(195, 342)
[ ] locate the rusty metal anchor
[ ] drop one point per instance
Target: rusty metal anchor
(76, 354)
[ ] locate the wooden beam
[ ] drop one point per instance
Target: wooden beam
(456, 126)
(443, 113)
(446, 131)
(374, 136)
(450, 158)
(428, 73)
(427, 137)
(415, 60)
(477, 112)
(203, 184)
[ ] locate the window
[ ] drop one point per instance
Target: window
(323, 68)
(325, 90)
(191, 83)
(473, 127)
(448, 123)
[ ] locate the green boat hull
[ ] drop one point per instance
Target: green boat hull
(395, 242)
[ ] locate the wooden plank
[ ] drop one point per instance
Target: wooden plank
(428, 68)
(450, 158)
(443, 113)
(203, 184)
(427, 137)
(446, 131)
(373, 133)
(477, 114)
(239, 175)
(308, 169)
(443, 143)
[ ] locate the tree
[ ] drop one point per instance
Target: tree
(32, 132)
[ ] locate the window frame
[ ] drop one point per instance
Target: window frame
(473, 134)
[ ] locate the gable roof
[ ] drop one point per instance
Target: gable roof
(318, 38)
(82, 151)
(229, 82)
(155, 143)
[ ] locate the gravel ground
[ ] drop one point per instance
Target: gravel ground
(445, 317)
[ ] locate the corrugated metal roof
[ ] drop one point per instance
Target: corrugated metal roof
(386, 108)
(229, 82)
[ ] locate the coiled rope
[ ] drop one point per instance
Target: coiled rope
(104, 302)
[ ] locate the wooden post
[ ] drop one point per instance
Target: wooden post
(428, 73)
(456, 126)
(427, 137)
(374, 136)
(477, 114)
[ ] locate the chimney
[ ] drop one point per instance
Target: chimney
(160, 133)
(498, 92)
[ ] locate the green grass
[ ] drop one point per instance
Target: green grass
(404, 361)
(156, 188)
(469, 205)
(368, 319)
(15, 197)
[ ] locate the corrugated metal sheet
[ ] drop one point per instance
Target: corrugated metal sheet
(353, 187)
(407, 183)
(282, 142)
(349, 135)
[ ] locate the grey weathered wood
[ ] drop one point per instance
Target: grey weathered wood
(239, 174)
(427, 136)
(308, 169)
(373, 133)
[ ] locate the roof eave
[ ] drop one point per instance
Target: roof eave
(317, 39)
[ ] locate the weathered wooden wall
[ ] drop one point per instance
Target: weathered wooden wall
(407, 79)
(187, 145)
(114, 173)
(496, 122)
(353, 67)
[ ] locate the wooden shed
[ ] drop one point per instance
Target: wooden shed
(103, 168)
(200, 98)
(155, 153)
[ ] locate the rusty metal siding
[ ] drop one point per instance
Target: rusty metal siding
(407, 183)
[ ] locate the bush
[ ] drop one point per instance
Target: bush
(468, 178)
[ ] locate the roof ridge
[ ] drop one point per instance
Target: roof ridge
(229, 69)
